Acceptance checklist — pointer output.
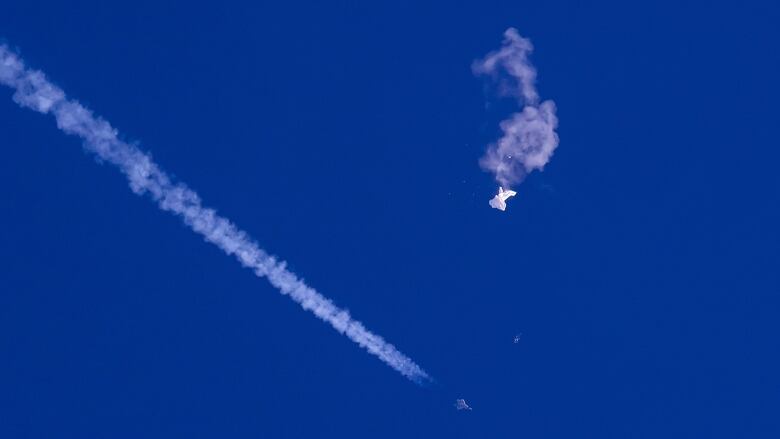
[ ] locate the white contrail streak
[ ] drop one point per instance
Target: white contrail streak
(529, 138)
(33, 90)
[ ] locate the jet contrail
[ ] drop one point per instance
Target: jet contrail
(529, 137)
(33, 90)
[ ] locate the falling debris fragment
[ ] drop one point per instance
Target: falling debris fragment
(460, 404)
(499, 201)
(516, 340)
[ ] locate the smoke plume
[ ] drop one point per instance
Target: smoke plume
(529, 138)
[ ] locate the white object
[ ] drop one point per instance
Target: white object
(499, 201)
(460, 404)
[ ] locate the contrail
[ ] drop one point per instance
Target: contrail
(33, 90)
(529, 137)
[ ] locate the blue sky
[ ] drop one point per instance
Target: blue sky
(640, 265)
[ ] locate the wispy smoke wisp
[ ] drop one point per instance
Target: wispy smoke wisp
(529, 138)
(34, 91)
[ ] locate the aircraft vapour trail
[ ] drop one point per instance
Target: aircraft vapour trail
(34, 91)
(529, 137)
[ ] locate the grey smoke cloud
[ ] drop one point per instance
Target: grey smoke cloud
(529, 138)
(34, 91)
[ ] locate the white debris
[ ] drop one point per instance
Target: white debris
(499, 201)
(460, 404)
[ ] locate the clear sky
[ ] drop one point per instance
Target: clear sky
(641, 266)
